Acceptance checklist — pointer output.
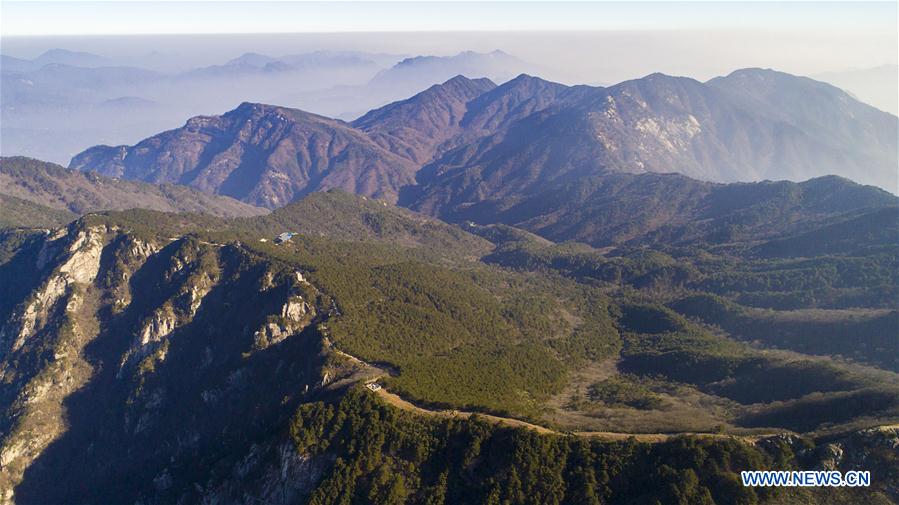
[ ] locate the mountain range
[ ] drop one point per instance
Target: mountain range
(53, 56)
(253, 63)
(752, 125)
(416, 73)
(670, 210)
(72, 100)
(468, 141)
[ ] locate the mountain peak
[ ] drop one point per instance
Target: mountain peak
(655, 86)
(246, 111)
(513, 99)
(761, 77)
(527, 81)
(419, 72)
(252, 59)
(74, 58)
(251, 107)
(260, 153)
(525, 78)
(65, 53)
(55, 52)
(415, 127)
(249, 110)
(477, 85)
(659, 77)
(757, 72)
(457, 79)
(458, 89)
(768, 79)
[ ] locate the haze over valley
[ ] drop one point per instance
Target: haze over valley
(62, 95)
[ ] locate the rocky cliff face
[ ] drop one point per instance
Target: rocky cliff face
(40, 343)
(154, 370)
(875, 450)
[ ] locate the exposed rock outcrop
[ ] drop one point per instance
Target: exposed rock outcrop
(150, 342)
(56, 318)
(274, 473)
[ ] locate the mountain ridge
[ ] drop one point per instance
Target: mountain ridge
(667, 124)
(298, 152)
(415, 128)
(466, 141)
(79, 192)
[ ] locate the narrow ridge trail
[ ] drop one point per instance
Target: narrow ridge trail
(399, 402)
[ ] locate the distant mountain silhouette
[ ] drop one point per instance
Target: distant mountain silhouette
(419, 72)
(254, 63)
(54, 56)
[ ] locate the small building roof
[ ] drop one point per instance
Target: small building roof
(287, 235)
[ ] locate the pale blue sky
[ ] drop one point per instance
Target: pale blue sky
(169, 17)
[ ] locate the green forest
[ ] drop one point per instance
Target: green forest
(511, 334)
(378, 454)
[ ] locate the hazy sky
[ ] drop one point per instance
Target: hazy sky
(597, 43)
(574, 41)
(137, 17)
